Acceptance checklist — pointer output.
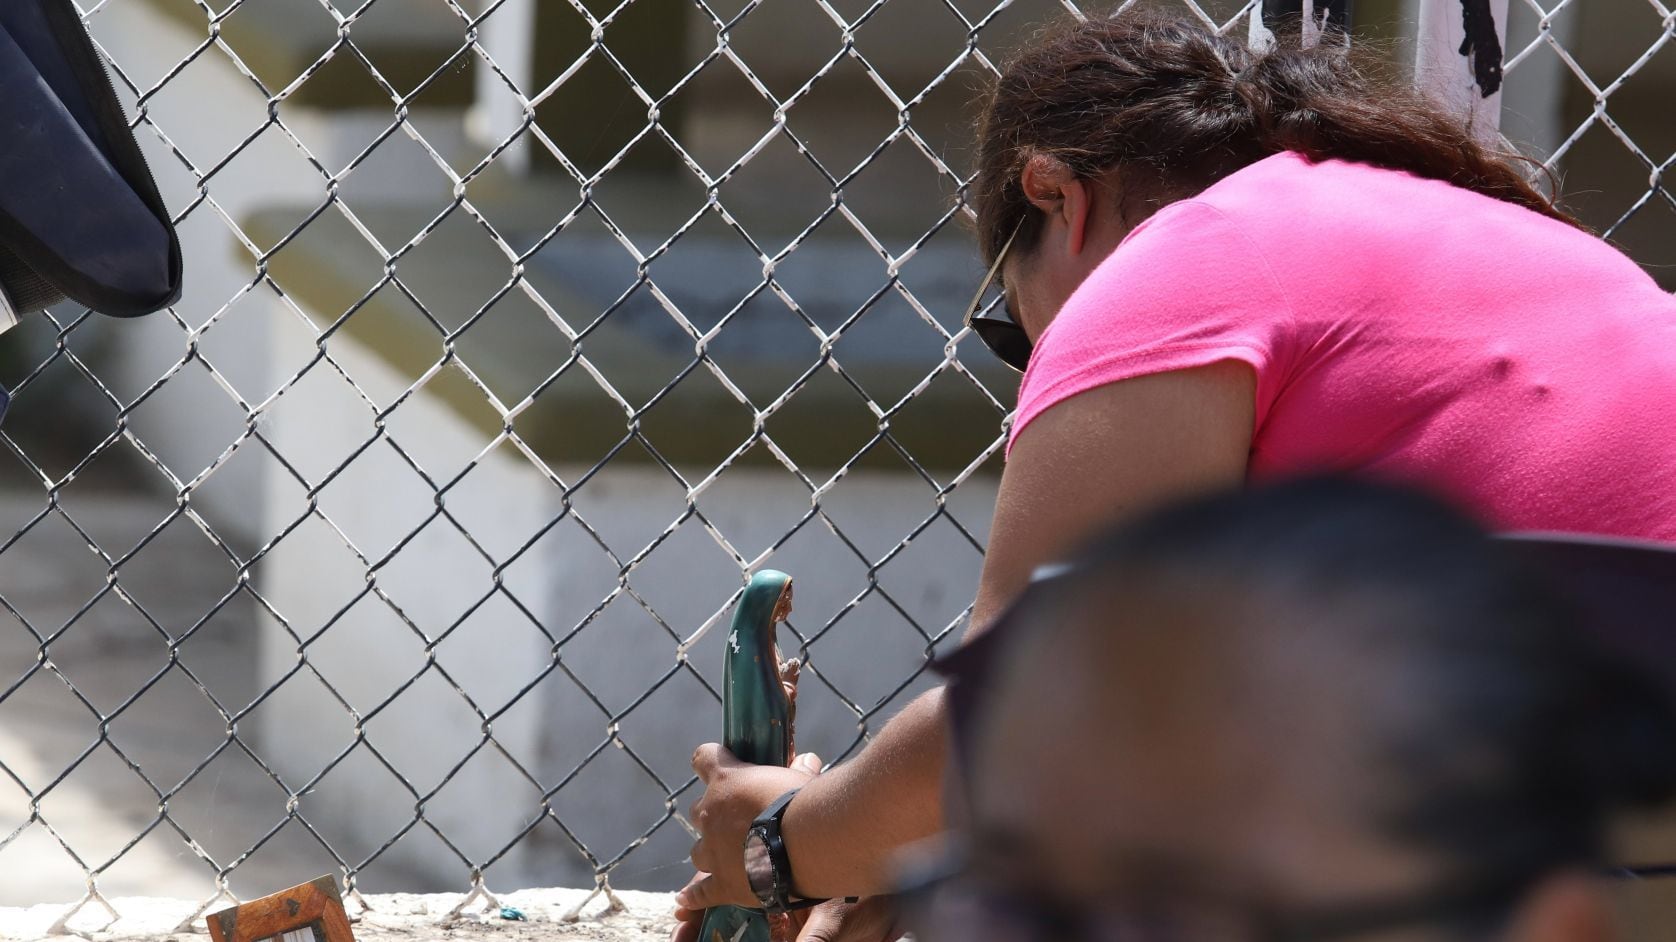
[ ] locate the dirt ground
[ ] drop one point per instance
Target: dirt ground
(399, 917)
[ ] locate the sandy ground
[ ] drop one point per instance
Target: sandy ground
(399, 917)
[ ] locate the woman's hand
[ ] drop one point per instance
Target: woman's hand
(735, 794)
(871, 920)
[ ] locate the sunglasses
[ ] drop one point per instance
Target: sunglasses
(1002, 335)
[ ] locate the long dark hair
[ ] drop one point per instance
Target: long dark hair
(1179, 106)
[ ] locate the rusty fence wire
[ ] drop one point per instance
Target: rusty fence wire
(516, 332)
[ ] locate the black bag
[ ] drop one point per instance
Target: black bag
(80, 216)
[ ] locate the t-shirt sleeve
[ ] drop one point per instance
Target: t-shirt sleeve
(1186, 288)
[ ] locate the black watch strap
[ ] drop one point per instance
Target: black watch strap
(777, 811)
(767, 864)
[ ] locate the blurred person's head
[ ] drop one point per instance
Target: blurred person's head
(1326, 710)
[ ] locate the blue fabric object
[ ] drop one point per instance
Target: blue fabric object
(513, 913)
(80, 215)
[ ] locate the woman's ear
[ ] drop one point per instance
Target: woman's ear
(1565, 908)
(1051, 187)
(1043, 180)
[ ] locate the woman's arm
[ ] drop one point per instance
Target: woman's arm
(1078, 468)
(1106, 455)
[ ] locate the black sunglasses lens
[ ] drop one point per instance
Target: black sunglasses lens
(1006, 340)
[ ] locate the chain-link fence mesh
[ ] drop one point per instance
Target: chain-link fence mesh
(515, 333)
(1583, 81)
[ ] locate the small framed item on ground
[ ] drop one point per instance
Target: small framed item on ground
(308, 912)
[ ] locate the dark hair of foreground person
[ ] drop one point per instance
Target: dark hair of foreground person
(1321, 710)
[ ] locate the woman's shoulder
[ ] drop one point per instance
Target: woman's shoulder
(1280, 200)
(1289, 189)
(1290, 197)
(1334, 226)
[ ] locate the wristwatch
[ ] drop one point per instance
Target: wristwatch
(766, 863)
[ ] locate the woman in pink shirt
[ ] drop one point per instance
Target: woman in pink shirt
(1224, 266)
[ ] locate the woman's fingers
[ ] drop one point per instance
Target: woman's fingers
(870, 920)
(696, 855)
(699, 895)
(687, 923)
(713, 757)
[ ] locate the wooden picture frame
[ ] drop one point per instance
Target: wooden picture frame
(315, 905)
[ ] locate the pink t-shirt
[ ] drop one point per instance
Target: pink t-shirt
(1403, 328)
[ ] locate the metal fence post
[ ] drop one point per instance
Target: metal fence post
(1458, 57)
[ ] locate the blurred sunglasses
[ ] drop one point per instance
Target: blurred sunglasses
(1002, 335)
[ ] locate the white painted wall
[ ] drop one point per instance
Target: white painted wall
(205, 112)
(368, 652)
(504, 502)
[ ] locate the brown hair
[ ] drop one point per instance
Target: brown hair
(1177, 107)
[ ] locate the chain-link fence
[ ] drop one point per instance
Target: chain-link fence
(1582, 84)
(515, 333)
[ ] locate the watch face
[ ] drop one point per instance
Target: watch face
(759, 868)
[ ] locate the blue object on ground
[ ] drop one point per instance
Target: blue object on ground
(512, 912)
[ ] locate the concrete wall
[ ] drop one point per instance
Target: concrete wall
(206, 111)
(493, 652)
(259, 341)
